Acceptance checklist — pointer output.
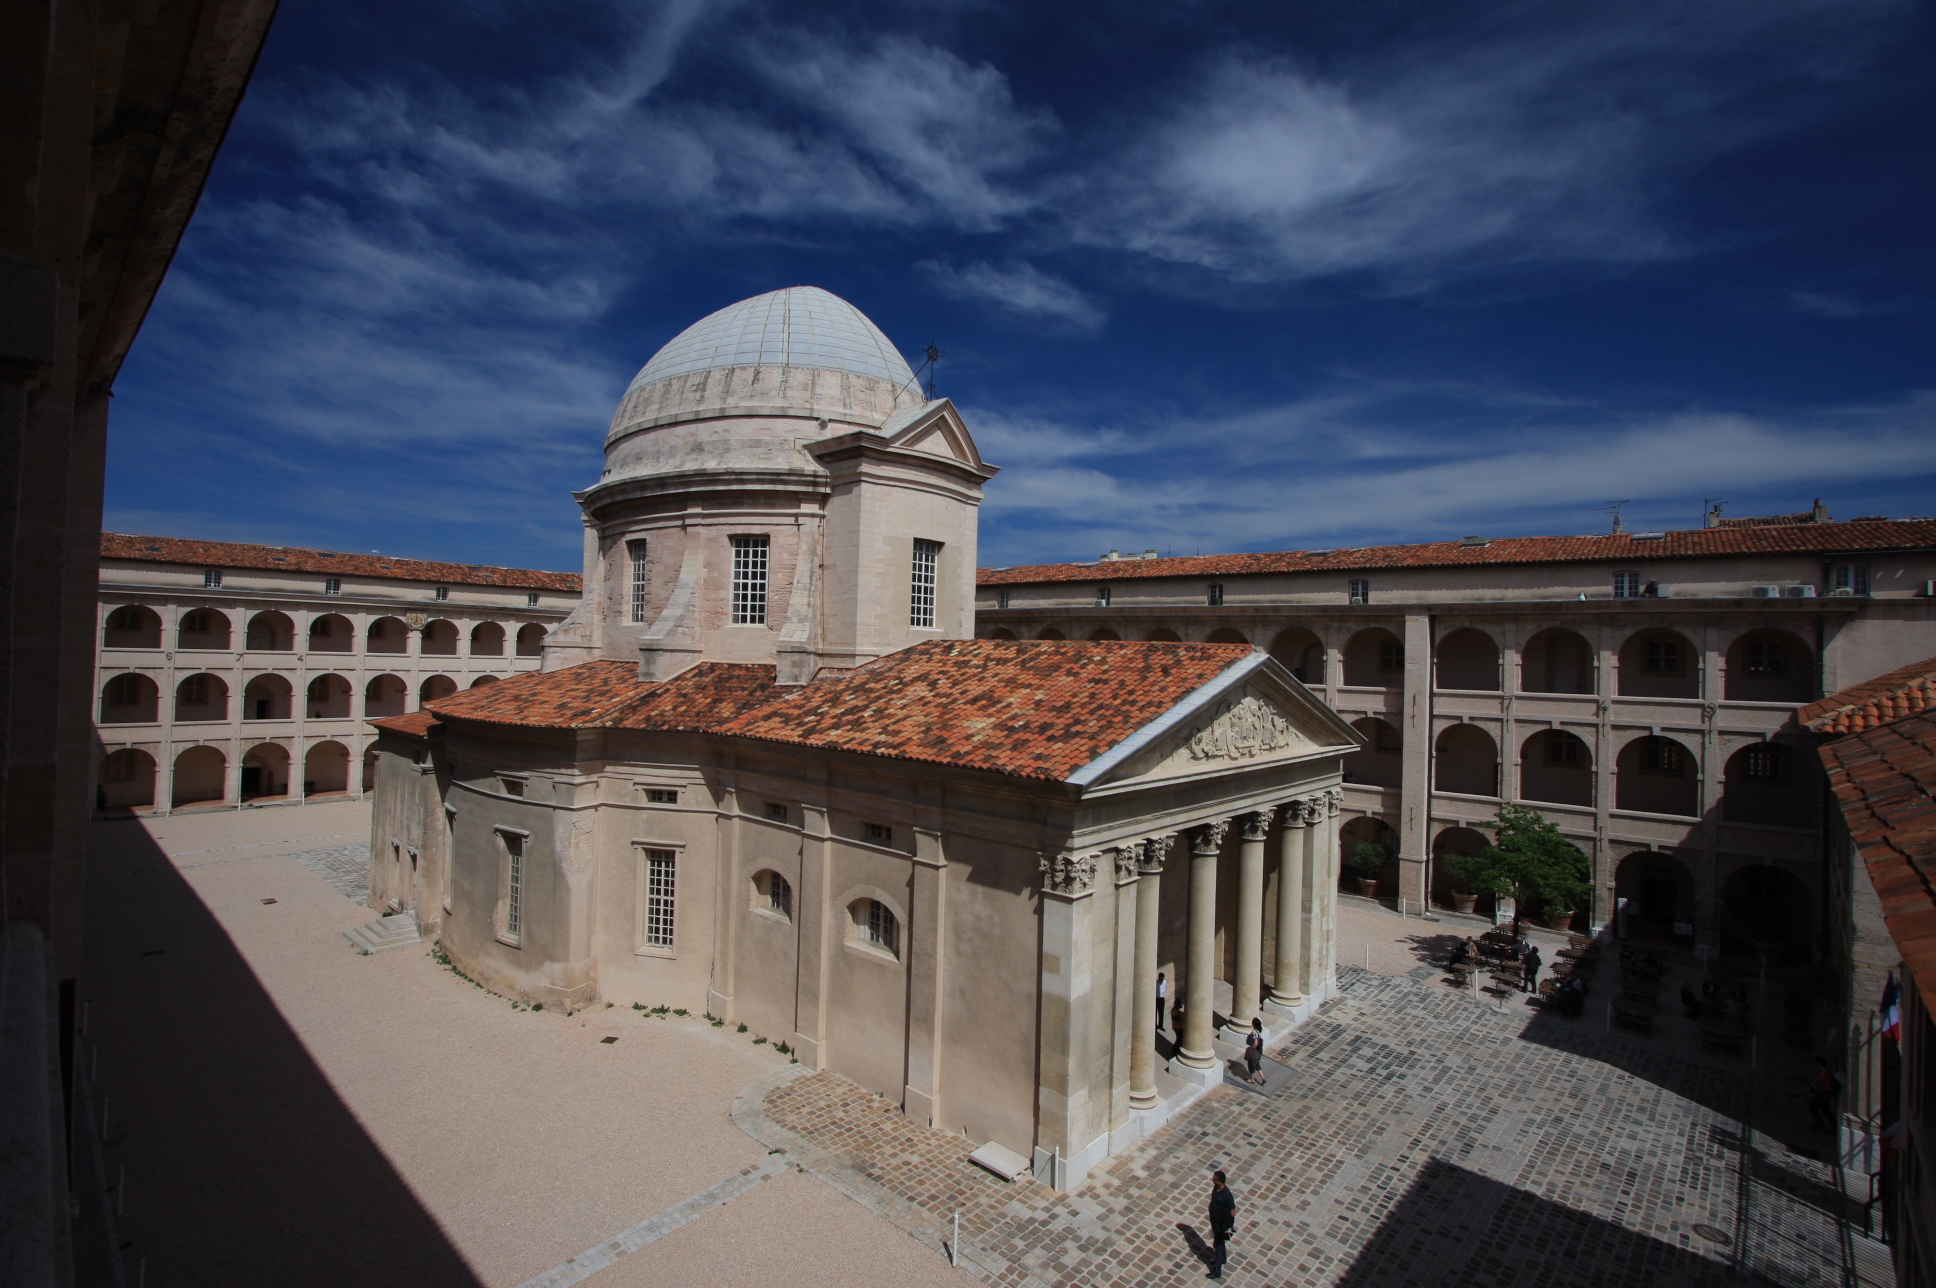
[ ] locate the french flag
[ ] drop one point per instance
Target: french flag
(1891, 1009)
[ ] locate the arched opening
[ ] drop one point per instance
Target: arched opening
(437, 686)
(1301, 653)
(1466, 761)
(1768, 782)
(531, 638)
(483, 680)
(487, 640)
(1657, 776)
(1374, 658)
(271, 632)
(202, 697)
(328, 698)
(1359, 831)
(326, 770)
(440, 639)
(1226, 635)
(267, 697)
(1659, 664)
(265, 772)
(1556, 661)
(369, 770)
(1050, 633)
(1659, 890)
(1450, 890)
(773, 894)
(1379, 763)
(1770, 666)
(201, 774)
(203, 628)
(331, 633)
(1162, 635)
(1468, 659)
(130, 699)
(1103, 633)
(1001, 633)
(875, 926)
(1765, 909)
(387, 635)
(1556, 766)
(127, 780)
(131, 626)
(386, 695)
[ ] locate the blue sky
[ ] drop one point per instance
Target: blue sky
(1207, 276)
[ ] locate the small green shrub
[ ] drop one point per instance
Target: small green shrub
(681, 1011)
(742, 1028)
(537, 1006)
(783, 1048)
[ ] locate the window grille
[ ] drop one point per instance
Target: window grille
(641, 582)
(514, 884)
(443, 592)
(332, 586)
(124, 691)
(1388, 739)
(1767, 657)
(1216, 594)
(1102, 596)
(1849, 579)
(878, 926)
(1391, 656)
(125, 619)
(777, 812)
(194, 691)
(779, 896)
(1765, 763)
(880, 834)
(212, 577)
(1661, 756)
(532, 599)
(1001, 599)
(1664, 657)
(749, 581)
(195, 623)
(661, 796)
(927, 564)
(1360, 591)
(1626, 585)
(1562, 749)
(659, 893)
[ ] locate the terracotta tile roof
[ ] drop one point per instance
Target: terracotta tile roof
(1030, 708)
(1815, 538)
(1885, 781)
(1901, 692)
(235, 554)
(415, 725)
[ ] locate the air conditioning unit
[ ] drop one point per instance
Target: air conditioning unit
(1929, 590)
(1798, 592)
(1841, 592)
(1659, 590)
(1360, 599)
(1766, 592)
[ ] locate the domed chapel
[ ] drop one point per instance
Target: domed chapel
(766, 773)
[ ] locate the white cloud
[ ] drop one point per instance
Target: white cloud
(1019, 289)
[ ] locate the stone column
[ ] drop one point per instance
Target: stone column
(1415, 809)
(1287, 988)
(1142, 1042)
(1198, 1048)
(1322, 981)
(1244, 989)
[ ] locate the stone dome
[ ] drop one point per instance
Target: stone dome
(801, 326)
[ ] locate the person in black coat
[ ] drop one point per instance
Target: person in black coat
(1531, 963)
(1223, 1219)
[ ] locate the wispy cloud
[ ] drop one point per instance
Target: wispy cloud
(1019, 289)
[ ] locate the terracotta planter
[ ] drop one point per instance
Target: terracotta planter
(1557, 923)
(1368, 887)
(1465, 902)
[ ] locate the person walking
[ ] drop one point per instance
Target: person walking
(1532, 969)
(1822, 1092)
(1162, 996)
(1254, 1052)
(1223, 1220)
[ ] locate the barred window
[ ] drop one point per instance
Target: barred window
(1765, 763)
(1391, 656)
(212, 577)
(749, 581)
(1626, 585)
(1360, 591)
(659, 876)
(1102, 596)
(1664, 657)
(1661, 756)
(777, 812)
(513, 884)
(927, 562)
(1849, 579)
(443, 592)
(880, 834)
(195, 623)
(1563, 748)
(661, 796)
(532, 599)
(641, 583)
(875, 923)
(332, 585)
(1001, 599)
(1216, 594)
(1766, 657)
(1388, 739)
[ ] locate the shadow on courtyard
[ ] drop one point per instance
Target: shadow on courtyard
(243, 1166)
(1453, 1226)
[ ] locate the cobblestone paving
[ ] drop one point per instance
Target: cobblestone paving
(345, 867)
(1423, 1139)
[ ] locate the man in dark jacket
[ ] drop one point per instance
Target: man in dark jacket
(1223, 1219)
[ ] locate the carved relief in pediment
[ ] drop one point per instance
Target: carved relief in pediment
(1241, 727)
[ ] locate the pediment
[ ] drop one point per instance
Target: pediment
(936, 428)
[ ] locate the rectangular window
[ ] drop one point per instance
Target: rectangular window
(1562, 749)
(880, 834)
(927, 565)
(513, 884)
(661, 796)
(1661, 757)
(1849, 579)
(194, 691)
(332, 586)
(531, 599)
(1626, 585)
(195, 623)
(512, 787)
(1765, 657)
(443, 592)
(1391, 656)
(641, 582)
(1102, 596)
(1001, 599)
(1360, 591)
(212, 577)
(749, 581)
(777, 812)
(1664, 657)
(1764, 764)
(659, 891)
(1216, 594)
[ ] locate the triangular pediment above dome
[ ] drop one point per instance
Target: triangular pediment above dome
(1257, 713)
(935, 427)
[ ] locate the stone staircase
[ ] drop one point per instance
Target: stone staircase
(385, 932)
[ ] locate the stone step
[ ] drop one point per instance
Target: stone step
(385, 932)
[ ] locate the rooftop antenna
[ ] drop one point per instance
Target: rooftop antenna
(1618, 527)
(933, 356)
(1712, 518)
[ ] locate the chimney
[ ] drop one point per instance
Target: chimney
(1821, 512)
(1111, 557)
(1149, 554)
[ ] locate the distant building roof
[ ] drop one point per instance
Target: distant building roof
(1812, 538)
(235, 554)
(1904, 691)
(1884, 779)
(1027, 708)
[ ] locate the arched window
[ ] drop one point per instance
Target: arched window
(1563, 748)
(1626, 585)
(875, 925)
(774, 895)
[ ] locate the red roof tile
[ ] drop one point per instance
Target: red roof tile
(1901, 692)
(1030, 708)
(1823, 538)
(1884, 779)
(235, 554)
(414, 725)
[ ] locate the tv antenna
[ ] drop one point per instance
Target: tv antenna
(933, 356)
(1615, 507)
(1717, 503)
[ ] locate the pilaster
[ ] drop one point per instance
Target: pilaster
(816, 930)
(1415, 796)
(1073, 1068)
(927, 950)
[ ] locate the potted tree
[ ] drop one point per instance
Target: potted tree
(1531, 860)
(1462, 870)
(1367, 859)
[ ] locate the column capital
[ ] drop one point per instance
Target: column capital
(1129, 862)
(1207, 838)
(1069, 875)
(1256, 825)
(1155, 850)
(1293, 812)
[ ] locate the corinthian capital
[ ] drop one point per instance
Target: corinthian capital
(1068, 874)
(1155, 850)
(1208, 837)
(1256, 825)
